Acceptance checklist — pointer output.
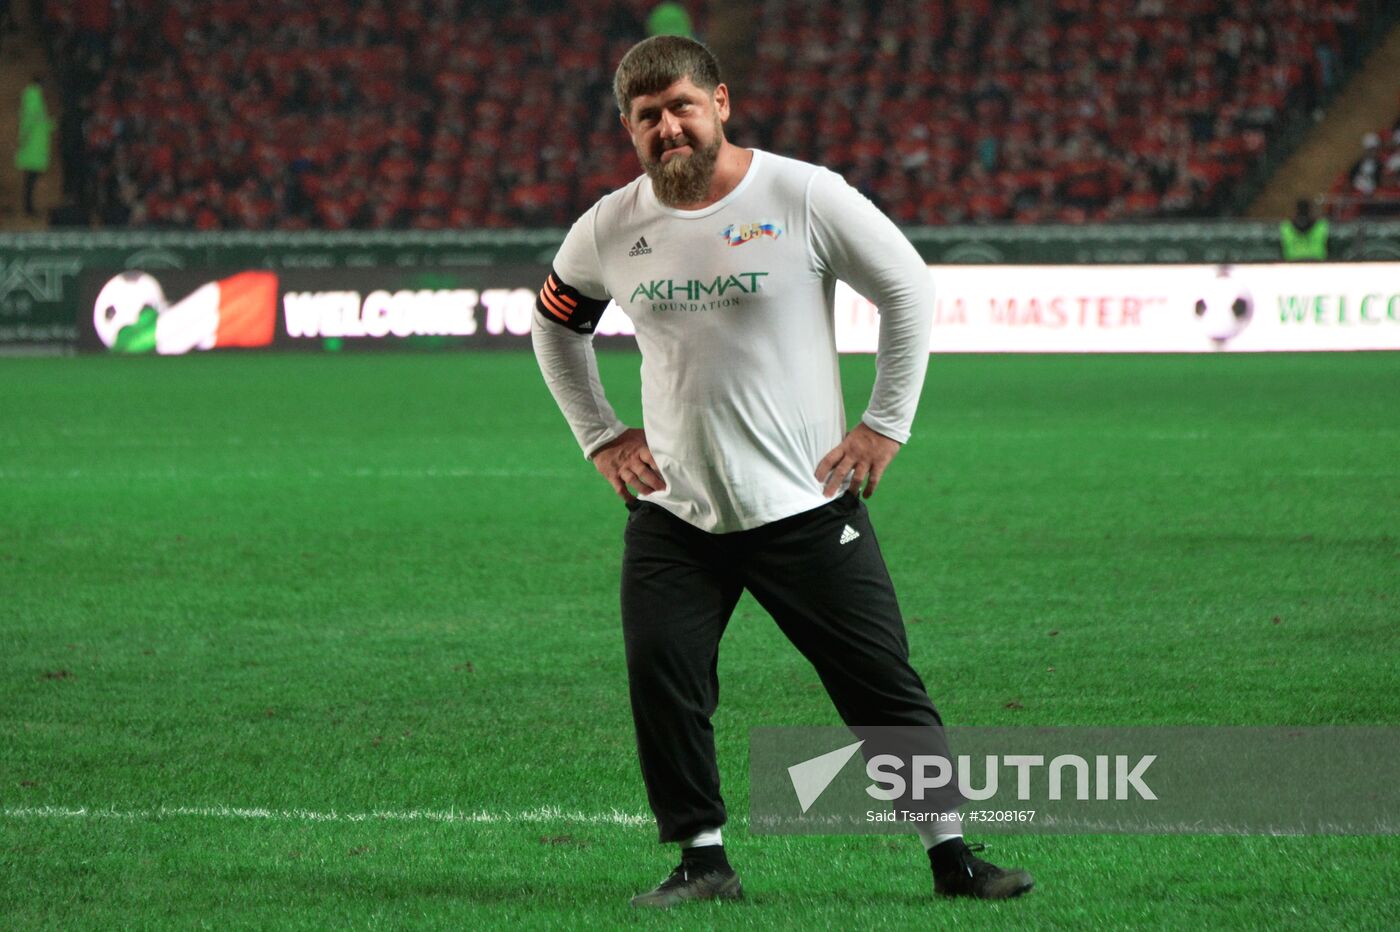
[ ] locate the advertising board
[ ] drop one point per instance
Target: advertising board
(977, 309)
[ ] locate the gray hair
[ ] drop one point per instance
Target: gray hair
(654, 64)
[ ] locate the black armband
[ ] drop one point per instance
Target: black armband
(567, 306)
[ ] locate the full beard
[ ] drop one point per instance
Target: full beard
(683, 179)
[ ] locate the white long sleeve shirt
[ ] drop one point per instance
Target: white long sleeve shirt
(732, 306)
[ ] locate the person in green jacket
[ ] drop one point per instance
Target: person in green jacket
(669, 18)
(32, 157)
(1303, 237)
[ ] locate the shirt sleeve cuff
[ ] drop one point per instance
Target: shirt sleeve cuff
(895, 432)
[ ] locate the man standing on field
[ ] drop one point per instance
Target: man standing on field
(744, 475)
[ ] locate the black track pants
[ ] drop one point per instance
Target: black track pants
(834, 601)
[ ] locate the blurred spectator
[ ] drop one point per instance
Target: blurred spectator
(68, 214)
(668, 18)
(1371, 186)
(32, 156)
(7, 20)
(1303, 237)
(1366, 171)
(73, 150)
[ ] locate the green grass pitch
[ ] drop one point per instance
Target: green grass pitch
(247, 602)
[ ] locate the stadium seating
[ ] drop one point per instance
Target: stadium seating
(278, 113)
(1068, 111)
(257, 114)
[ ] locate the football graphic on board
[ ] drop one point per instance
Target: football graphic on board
(1224, 309)
(133, 315)
(131, 301)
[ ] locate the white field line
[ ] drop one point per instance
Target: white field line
(553, 814)
(278, 475)
(174, 474)
(543, 814)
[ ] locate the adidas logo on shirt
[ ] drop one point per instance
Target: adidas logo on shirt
(640, 248)
(849, 534)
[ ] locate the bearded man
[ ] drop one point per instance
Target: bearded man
(743, 475)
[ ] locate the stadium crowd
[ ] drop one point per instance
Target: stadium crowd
(1067, 111)
(259, 114)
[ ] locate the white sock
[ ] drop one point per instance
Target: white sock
(710, 836)
(931, 836)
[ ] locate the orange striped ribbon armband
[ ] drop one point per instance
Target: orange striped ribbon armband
(567, 306)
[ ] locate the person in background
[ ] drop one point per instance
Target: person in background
(1303, 237)
(7, 20)
(32, 156)
(669, 18)
(1366, 170)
